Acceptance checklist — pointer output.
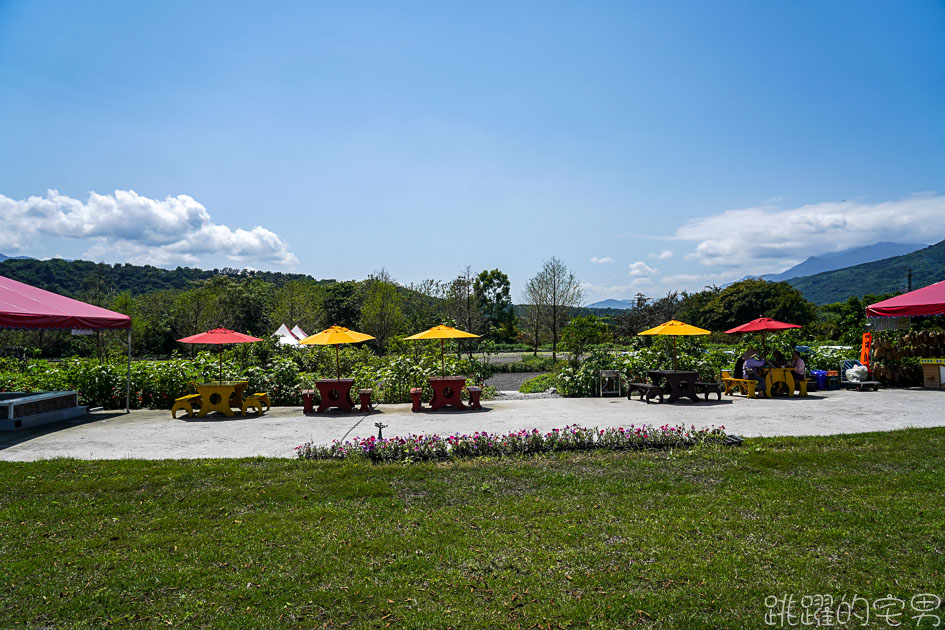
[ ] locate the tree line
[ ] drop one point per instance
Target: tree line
(549, 311)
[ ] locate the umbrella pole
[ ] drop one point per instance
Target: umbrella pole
(674, 353)
(442, 357)
(337, 363)
(220, 374)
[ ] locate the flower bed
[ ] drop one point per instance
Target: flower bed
(483, 444)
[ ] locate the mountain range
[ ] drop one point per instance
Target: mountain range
(889, 275)
(871, 270)
(5, 257)
(845, 258)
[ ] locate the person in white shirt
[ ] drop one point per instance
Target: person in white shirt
(798, 366)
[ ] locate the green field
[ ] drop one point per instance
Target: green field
(683, 539)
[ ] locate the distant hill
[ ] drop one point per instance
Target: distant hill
(69, 277)
(845, 258)
(617, 304)
(5, 257)
(881, 276)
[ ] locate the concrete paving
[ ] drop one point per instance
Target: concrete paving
(149, 434)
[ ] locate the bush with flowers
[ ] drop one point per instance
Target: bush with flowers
(482, 444)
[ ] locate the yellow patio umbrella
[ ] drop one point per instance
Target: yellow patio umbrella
(442, 333)
(334, 336)
(675, 328)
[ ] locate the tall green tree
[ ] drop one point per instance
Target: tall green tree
(340, 305)
(492, 290)
(297, 304)
(582, 333)
(381, 316)
(561, 294)
(461, 304)
(745, 300)
(533, 309)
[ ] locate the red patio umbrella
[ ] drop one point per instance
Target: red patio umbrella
(219, 336)
(763, 325)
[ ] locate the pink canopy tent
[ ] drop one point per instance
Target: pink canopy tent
(928, 300)
(25, 306)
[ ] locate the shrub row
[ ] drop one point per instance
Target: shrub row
(284, 374)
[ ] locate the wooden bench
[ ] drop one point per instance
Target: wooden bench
(744, 385)
(308, 400)
(709, 388)
(415, 393)
(365, 396)
(644, 389)
(475, 393)
(185, 403)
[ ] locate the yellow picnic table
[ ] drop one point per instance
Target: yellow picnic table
(216, 395)
(779, 375)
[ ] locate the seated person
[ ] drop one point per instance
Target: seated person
(753, 369)
(739, 370)
(798, 367)
(778, 360)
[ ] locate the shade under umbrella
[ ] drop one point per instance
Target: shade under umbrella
(442, 333)
(675, 328)
(334, 336)
(220, 336)
(763, 325)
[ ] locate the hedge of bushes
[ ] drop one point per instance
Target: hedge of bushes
(583, 379)
(282, 372)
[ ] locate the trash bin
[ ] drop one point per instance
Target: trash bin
(820, 376)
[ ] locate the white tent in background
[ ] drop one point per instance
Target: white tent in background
(286, 338)
(299, 333)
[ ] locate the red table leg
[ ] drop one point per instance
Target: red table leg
(446, 391)
(335, 393)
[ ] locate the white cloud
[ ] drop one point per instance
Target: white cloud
(640, 268)
(165, 231)
(602, 261)
(754, 238)
(663, 255)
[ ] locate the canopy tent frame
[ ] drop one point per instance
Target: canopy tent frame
(25, 307)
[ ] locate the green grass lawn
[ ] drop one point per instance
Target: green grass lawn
(682, 539)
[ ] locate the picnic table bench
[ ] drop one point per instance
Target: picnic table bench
(185, 404)
(744, 385)
(709, 388)
(648, 390)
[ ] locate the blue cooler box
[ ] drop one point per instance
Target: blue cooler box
(820, 376)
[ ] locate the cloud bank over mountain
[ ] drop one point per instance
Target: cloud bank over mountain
(128, 226)
(765, 238)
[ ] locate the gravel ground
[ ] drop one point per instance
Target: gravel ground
(510, 382)
(152, 434)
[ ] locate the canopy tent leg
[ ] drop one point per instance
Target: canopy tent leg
(128, 378)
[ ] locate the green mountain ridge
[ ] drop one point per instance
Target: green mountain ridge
(889, 275)
(71, 277)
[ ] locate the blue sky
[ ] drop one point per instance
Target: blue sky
(651, 146)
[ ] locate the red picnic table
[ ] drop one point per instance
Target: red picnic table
(446, 391)
(335, 392)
